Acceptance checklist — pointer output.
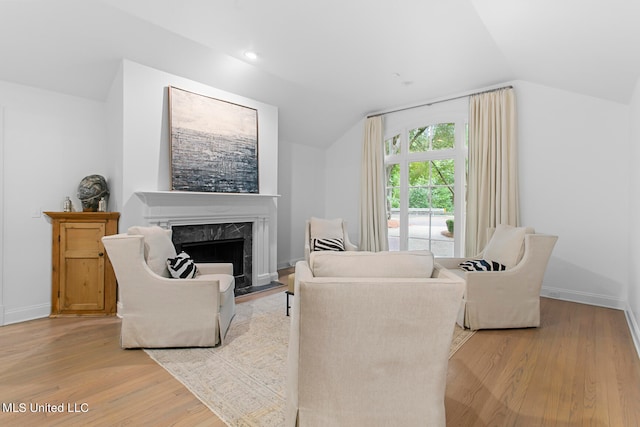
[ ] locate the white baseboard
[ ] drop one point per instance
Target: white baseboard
(633, 328)
(266, 278)
(289, 264)
(23, 314)
(583, 297)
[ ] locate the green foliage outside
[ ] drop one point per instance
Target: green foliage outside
(430, 182)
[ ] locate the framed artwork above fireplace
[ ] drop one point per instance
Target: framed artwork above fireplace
(214, 144)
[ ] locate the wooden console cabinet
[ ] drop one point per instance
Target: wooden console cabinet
(83, 281)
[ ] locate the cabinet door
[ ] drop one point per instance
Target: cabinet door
(82, 264)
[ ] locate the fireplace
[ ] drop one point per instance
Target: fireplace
(227, 250)
(226, 242)
(198, 217)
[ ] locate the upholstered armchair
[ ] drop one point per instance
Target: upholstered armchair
(319, 232)
(369, 340)
(159, 311)
(509, 298)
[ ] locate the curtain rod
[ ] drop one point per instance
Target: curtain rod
(439, 101)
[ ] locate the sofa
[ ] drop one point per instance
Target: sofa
(370, 339)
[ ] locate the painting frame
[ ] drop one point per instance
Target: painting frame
(213, 144)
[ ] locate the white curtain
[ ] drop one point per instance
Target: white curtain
(373, 212)
(492, 189)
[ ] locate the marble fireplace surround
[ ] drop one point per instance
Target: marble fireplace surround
(176, 208)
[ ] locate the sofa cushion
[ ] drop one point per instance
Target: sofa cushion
(506, 245)
(158, 247)
(404, 264)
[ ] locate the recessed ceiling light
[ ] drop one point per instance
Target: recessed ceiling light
(251, 55)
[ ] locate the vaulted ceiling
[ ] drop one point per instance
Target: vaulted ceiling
(326, 63)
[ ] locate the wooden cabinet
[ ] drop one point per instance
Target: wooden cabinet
(83, 282)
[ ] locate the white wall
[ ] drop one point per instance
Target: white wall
(633, 309)
(343, 167)
(51, 141)
(145, 135)
(574, 182)
(301, 181)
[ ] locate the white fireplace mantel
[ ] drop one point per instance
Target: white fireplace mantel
(170, 208)
(165, 198)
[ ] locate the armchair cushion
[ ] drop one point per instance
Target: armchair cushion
(482, 265)
(326, 228)
(182, 266)
(158, 247)
(506, 245)
(328, 244)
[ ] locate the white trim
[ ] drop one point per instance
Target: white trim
(2, 216)
(23, 314)
(633, 328)
(583, 297)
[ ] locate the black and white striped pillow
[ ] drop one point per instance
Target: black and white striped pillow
(328, 245)
(182, 267)
(482, 265)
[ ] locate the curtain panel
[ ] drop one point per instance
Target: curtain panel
(373, 211)
(492, 189)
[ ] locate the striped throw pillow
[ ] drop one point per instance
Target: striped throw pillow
(328, 245)
(182, 266)
(482, 265)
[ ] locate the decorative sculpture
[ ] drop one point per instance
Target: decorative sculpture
(91, 189)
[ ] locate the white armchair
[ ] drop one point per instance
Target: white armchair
(510, 298)
(369, 340)
(158, 311)
(319, 228)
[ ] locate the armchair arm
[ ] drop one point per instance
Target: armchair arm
(450, 263)
(215, 268)
(302, 272)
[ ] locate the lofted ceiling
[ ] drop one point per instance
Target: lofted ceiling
(325, 64)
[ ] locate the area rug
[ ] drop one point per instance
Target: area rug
(243, 382)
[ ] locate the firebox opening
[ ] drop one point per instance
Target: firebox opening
(227, 250)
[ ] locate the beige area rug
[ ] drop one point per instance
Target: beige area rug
(243, 382)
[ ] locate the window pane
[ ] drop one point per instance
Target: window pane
(431, 204)
(393, 206)
(392, 145)
(443, 180)
(433, 137)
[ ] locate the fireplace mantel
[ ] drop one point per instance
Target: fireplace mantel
(171, 208)
(179, 198)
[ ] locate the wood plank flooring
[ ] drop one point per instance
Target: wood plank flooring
(579, 368)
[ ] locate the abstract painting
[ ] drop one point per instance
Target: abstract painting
(214, 144)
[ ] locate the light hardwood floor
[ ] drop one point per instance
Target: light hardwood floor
(578, 368)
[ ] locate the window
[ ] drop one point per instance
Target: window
(425, 183)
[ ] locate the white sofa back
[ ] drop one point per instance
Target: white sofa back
(405, 264)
